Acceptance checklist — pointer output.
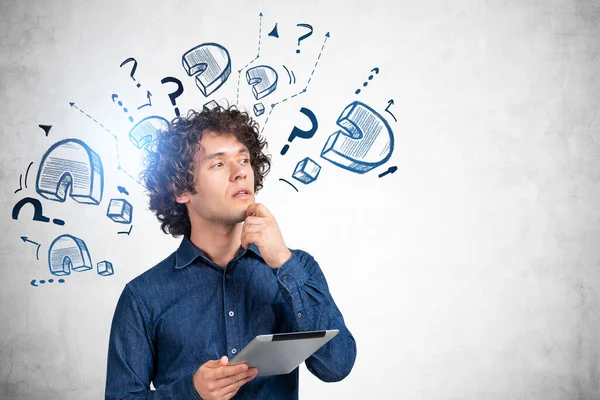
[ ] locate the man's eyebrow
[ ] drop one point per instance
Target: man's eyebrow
(220, 153)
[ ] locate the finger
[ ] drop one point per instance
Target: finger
(252, 228)
(248, 238)
(253, 220)
(220, 373)
(258, 209)
(215, 363)
(236, 382)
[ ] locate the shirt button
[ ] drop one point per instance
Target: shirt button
(299, 315)
(231, 314)
(233, 351)
(228, 276)
(285, 278)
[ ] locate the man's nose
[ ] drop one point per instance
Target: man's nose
(239, 171)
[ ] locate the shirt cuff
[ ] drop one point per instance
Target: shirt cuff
(292, 273)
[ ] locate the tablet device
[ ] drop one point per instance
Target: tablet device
(281, 353)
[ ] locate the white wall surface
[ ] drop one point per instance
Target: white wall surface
(471, 272)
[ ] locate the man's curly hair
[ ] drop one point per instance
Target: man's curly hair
(170, 160)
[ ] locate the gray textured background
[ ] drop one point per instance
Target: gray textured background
(472, 272)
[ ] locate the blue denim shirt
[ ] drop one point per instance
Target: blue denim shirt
(187, 310)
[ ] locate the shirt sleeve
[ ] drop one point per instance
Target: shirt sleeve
(131, 357)
(312, 308)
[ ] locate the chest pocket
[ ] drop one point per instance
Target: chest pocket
(270, 318)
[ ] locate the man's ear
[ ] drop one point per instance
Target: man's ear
(182, 198)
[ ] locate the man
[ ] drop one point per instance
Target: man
(232, 277)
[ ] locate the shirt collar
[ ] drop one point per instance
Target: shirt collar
(187, 253)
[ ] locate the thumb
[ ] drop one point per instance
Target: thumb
(223, 361)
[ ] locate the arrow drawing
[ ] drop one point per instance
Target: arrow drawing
(390, 102)
(37, 252)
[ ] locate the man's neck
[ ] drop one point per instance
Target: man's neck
(219, 242)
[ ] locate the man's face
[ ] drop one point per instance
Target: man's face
(222, 169)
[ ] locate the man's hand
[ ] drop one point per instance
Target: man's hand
(215, 380)
(260, 228)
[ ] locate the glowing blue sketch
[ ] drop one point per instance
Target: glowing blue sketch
(71, 167)
(68, 252)
(259, 109)
(297, 132)
(211, 105)
(144, 131)
(211, 63)
(105, 268)
(119, 210)
(306, 171)
(366, 142)
(263, 80)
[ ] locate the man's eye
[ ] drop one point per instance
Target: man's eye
(216, 164)
(246, 159)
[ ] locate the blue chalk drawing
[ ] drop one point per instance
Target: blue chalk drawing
(274, 32)
(120, 103)
(144, 131)
(390, 102)
(133, 68)
(25, 239)
(46, 128)
(72, 104)
(237, 98)
(68, 252)
(120, 210)
(365, 142)
(296, 132)
(126, 232)
(33, 282)
(263, 80)
(304, 36)
(290, 75)
(21, 179)
(105, 268)
(327, 35)
(121, 189)
(370, 77)
(295, 188)
(306, 171)
(390, 170)
(71, 167)
(211, 64)
(211, 105)
(176, 93)
(37, 211)
(258, 109)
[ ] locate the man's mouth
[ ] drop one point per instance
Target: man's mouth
(244, 193)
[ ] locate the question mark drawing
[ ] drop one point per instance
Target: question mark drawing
(37, 211)
(264, 82)
(132, 69)
(365, 142)
(211, 64)
(304, 36)
(175, 94)
(297, 132)
(145, 131)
